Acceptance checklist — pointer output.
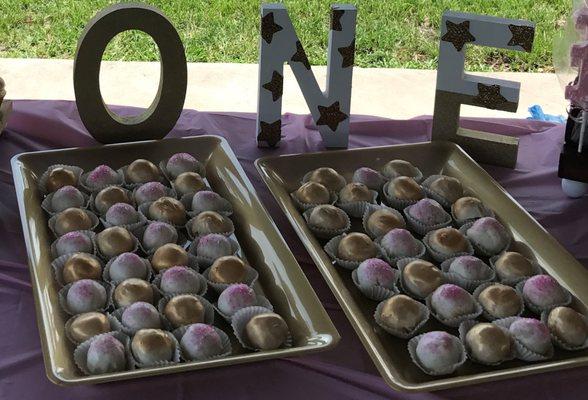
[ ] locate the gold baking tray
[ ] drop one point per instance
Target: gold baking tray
(282, 174)
(282, 280)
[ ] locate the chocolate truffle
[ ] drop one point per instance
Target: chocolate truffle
(74, 242)
(141, 315)
(428, 212)
(72, 219)
(236, 297)
(110, 196)
(81, 266)
(328, 217)
(470, 268)
(512, 266)
(114, 241)
(466, 208)
(404, 188)
(102, 176)
(168, 209)
(168, 256)
(128, 265)
(84, 326)
(543, 291)
(122, 214)
(488, 343)
(59, 177)
(448, 241)
(157, 234)
(201, 342)
(447, 187)
(533, 334)
(67, 197)
(179, 279)
(188, 183)
(210, 222)
(369, 177)
(266, 331)
(207, 200)
(489, 234)
(150, 192)
(106, 354)
(450, 301)
(312, 193)
(353, 192)
(131, 291)
(356, 247)
(383, 220)
(568, 326)
(395, 168)
(421, 278)
(376, 272)
(500, 301)
(438, 350)
(400, 243)
(214, 246)
(180, 163)
(327, 177)
(184, 310)
(401, 313)
(228, 269)
(142, 171)
(85, 295)
(151, 346)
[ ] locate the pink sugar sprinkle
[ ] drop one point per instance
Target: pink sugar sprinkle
(85, 288)
(107, 344)
(122, 209)
(101, 171)
(211, 239)
(68, 190)
(152, 187)
(199, 332)
(438, 342)
(181, 157)
(452, 292)
(543, 283)
(177, 272)
(128, 258)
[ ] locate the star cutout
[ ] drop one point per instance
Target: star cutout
(522, 36)
(489, 96)
(269, 27)
(275, 86)
(458, 34)
(331, 116)
(348, 54)
(300, 55)
(270, 132)
(336, 20)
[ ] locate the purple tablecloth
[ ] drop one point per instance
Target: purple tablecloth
(345, 372)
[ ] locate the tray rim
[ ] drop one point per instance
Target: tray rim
(331, 336)
(342, 294)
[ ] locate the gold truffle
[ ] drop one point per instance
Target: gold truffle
(142, 171)
(228, 269)
(167, 256)
(109, 196)
(405, 188)
(84, 326)
(328, 216)
(421, 277)
(210, 222)
(488, 343)
(81, 266)
(356, 247)
(448, 241)
(355, 192)
(383, 221)
(60, 177)
(513, 265)
(266, 331)
(401, 313)
(395, 168)
(313, 193)
(114, 241)
(328, 177)
(152, 345)
(168, 209)
(131, 291)
(568, 326)
(466, 208)
(184, 310)
(189, 182)
(500, 301)
(72, 219)
(447, 187)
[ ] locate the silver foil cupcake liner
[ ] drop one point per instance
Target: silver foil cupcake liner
(156, 295)
(175, 355)
(455, 321)
(468, 284)
(396, 332)
(251, 276)
(107, 278)
(202, 288)
(401, 264)
(200, 169)
(240, 320)
(261, 301)
(225, 344)
(58, 264)
(46, 203)
(522, 351)
(434, 195)
(539, 309)
(133, 228)
(356, 209)
(62, 298)
(93, 189)
(331, 249)
(92, 203)
(485, 312)
(395, 202)
(464, 328)
(208, 308)
(392, 259)
(117, 315)
(192, 235)
(115, 326)
(106, 258)
(144, 209)
(557, 340)
(42, 185)
(376, 292)
(480, 250)
(93, 218)
(449, 369)
(208, 261)
(422, 229)
(169, 192)
(90, 234)
(537, 270)
(131, 185)
(226, 208)
(301, 206)
(372, 208)
(440, 257)
(81, 351)
(325, 233)
(192, 263)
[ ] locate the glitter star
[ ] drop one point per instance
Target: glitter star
(522, 36)
(331, 116)
(300, 55)
(275, 85)
(489, 96)
(269, 27)
(348, 54)
(458, 34)
(336, 20)
(270, 132)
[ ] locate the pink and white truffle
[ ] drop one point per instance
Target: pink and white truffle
(400, 243)
(150, 191)
(157, 234)
(67, 197)
(450, 301)
(200, 342)
(543, 291)
(86, 295)
(214, 246)
(207, 200)
(533, 334)
(141, 315)
(74, 242)
(101, 176)
(179, 279)
(180, 163)
(106, 354)
(122, 214)
(428, 212)
(236, 297)
(126, 266)
(438, 351)
(369, 177)
(489, 234)
(470, 268)
(376, 272)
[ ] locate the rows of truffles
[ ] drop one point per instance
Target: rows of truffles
(442, 270)
(149, 270)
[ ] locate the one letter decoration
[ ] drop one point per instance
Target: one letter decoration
(455, 88)
(279, 44)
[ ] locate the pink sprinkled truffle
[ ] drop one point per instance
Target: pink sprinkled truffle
(471, 268)
(150, 191)
(369, 177)
(86, 295)
(489, 234)
(126, 266)
(74, 242)
(376, 272)
(179, 279)
(101, 176)
(236, 297)
(157, 234)
(141, 315)
(428, 212)
(67, 197)
(543, 291)
(533, 334)
(400, 243)
(438, 350)
(106, 354)
(180, 163)
(450, 301)
(214, 246)
(200, 342)
(122, 214)
(207, 200)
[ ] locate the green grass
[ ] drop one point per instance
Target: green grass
(390, 33)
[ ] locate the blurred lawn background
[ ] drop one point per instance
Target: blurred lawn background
(390, 33)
